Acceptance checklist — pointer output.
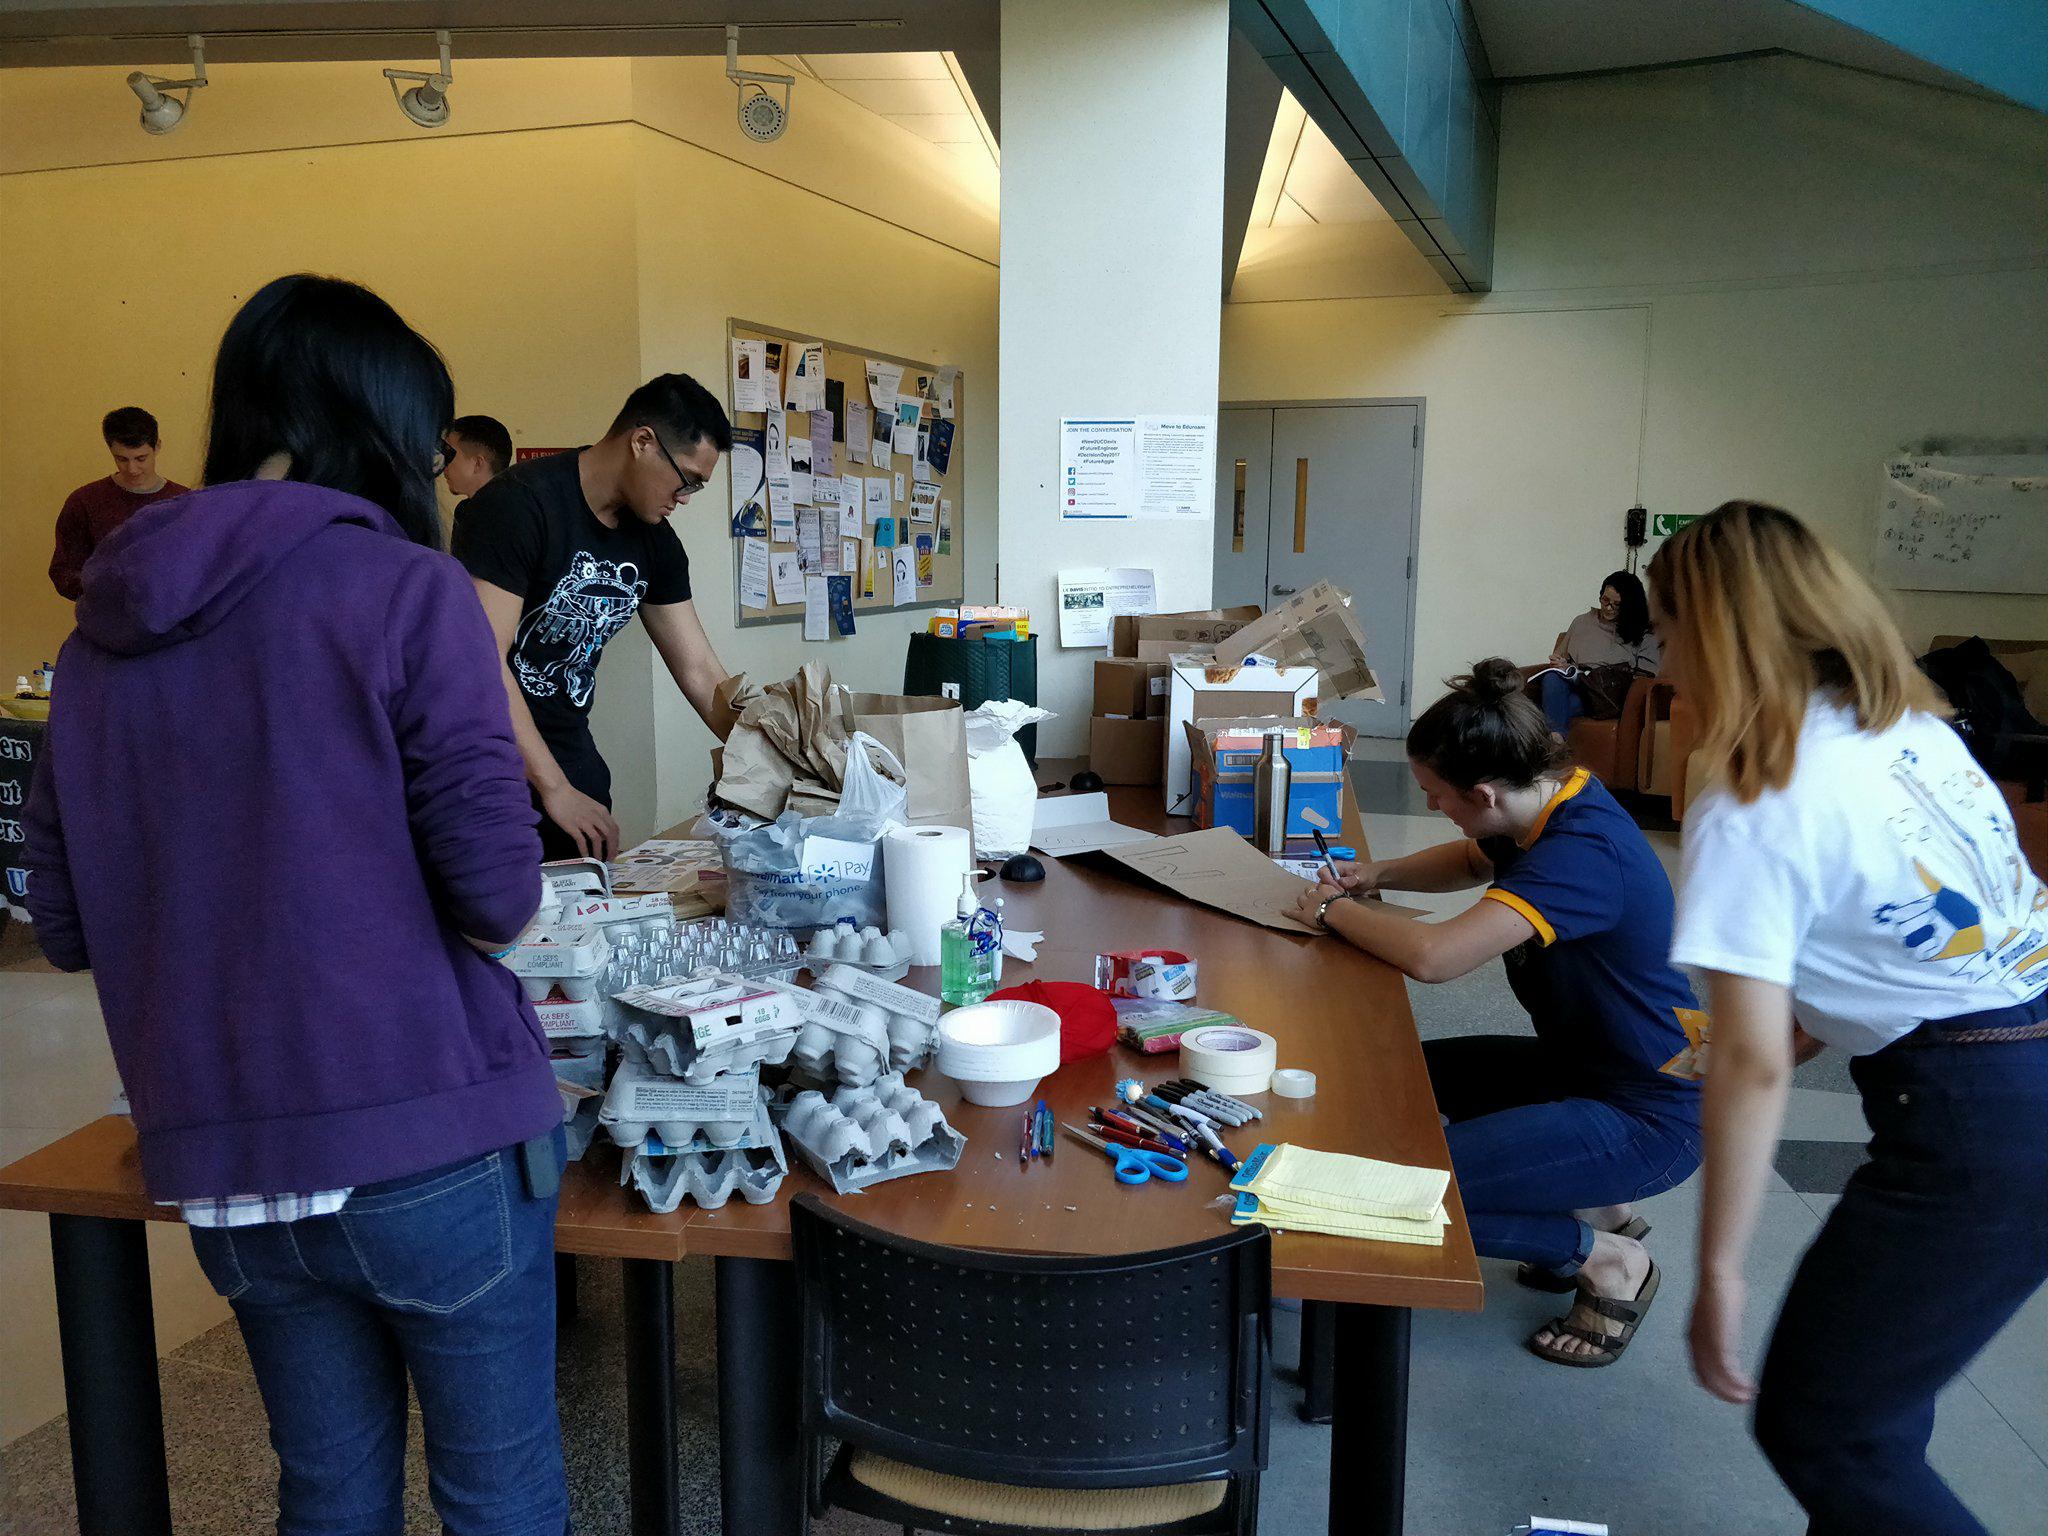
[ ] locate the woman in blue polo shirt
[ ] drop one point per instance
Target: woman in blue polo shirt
(1552, 1137)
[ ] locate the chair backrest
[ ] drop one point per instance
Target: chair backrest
(1051, 1372)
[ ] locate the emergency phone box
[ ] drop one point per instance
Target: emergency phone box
(1202, 691)
(1224, 756)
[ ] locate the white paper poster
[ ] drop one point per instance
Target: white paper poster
(878, 450)
(750, 389)
(850, 509)
(924, 504)
(781, 495)
(788, 575)
(885, 380)
(1090, 599)
(1137, 466)
(821, 443)
(849, 556)
(747, 481)
(815, 615)
(806, 376)
(908, 414)
(828, 553)
(753, 573)
(799, 449)
(807, 539)
(899, 487)
(903, 561)
(921, 465)
(947, 375)
(876, 497)
(857, 431)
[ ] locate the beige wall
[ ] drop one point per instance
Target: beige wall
(1755, 279)
(555, 267)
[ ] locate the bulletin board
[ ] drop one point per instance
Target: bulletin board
(847, 381)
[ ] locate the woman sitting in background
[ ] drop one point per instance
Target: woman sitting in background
(1609, 646)
(1551, 1138)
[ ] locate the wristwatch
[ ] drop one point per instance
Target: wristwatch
(1323, 910)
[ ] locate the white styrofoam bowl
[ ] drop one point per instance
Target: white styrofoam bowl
(997, 1052)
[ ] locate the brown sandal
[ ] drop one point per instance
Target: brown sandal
(1538, 1278)
(1608, 1346)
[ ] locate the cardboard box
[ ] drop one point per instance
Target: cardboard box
(1160, 636)
(1127, 751)
(1224, 757)
(1132, 689)
(1316, 628)
(1203, 691)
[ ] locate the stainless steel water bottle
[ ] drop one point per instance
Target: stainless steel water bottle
(1271, 782)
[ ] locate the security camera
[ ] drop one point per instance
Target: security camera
(762, 117)
(161, 111)
(427, 102)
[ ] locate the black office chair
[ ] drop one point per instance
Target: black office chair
(1006, 1395)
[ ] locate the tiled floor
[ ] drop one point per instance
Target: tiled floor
(1495, 1433)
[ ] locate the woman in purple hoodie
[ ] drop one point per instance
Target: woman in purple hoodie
(282, 817)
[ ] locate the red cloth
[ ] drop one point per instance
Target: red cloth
(1087, 1017)
(91, 513)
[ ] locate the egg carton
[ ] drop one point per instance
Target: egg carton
(863, 1136)
(886, 955)
(566, 1021)
(582, 1080)
(697, 1029)
(913, 1016)
(646, 916)
(844, 1042)
(577, 877)
(663, 1177)
(729, 1111)
(737, 949)
(560, 963)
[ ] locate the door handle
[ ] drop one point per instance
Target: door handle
(1285, 591)
(1237, 514)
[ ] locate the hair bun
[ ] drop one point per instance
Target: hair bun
(1493, 679)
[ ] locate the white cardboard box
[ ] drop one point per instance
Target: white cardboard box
(1206, 690)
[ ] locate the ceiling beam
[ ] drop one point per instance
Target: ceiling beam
(1251, 101)
(2001, 45)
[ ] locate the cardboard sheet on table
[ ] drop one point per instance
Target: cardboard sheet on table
(1218, 868)
(1066, 824)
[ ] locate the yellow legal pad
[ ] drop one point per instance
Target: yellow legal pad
(1303, 1190)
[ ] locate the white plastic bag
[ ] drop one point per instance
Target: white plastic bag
(868, 794)
(1005, 791)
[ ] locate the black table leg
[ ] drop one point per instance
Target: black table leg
(1318, 1359)
(565, 1289)
(107, 1333)
(1369, 1435)
(653, 1458)
(760, 1474)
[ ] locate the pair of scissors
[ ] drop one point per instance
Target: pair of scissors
(1134, 1165)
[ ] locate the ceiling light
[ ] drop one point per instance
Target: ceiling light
(427, 102)
(762, 117)
(162, 111)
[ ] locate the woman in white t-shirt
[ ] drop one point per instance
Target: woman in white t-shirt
(1853, 868)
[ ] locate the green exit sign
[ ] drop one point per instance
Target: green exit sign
(1665, 524)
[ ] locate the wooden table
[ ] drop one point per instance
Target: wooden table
(1333, 1010)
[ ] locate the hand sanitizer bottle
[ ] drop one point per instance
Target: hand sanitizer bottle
(968, 950)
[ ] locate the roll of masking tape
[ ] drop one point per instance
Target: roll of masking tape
(1229, 1058)
(1293, 1083)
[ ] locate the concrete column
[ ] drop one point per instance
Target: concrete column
(1112, 189)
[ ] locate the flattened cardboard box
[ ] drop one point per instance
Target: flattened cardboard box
(1159, 636)
(1318, 628)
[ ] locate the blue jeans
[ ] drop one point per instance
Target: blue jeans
(1561, 701)
(1936, 1243)
(1529, 1147)
(447, 1276)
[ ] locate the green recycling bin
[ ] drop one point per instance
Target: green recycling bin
(974, 671)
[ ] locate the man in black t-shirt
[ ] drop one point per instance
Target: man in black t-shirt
(564, 551)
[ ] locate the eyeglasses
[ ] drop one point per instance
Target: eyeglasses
(691, 485)
(444, 455)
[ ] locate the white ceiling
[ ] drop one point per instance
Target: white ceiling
(1569, 37)
(921, 93)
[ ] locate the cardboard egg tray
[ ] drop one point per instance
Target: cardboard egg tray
(866, 1135)
(911, 1018)
(560, 962)
(697, 1029)
(727, 1112)
(663, 1177)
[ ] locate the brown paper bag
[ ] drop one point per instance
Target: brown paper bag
(929, 736)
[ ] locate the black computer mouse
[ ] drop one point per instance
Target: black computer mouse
(1023, 869)
(1086, 783)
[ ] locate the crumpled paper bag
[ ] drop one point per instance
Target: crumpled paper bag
(787, 749)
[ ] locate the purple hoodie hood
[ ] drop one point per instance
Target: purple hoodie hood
(177, 568)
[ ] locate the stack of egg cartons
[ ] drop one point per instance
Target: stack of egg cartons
(686, 1104)
(562, 969)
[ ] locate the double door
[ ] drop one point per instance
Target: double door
(1326, 492)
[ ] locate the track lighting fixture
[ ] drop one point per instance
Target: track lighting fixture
(162, 110)
(427, 102)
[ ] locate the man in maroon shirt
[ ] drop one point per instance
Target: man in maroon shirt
(93, 511)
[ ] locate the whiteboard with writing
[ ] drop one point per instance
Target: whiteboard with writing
(1964, 523)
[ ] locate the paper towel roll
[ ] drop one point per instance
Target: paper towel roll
(922, 868)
